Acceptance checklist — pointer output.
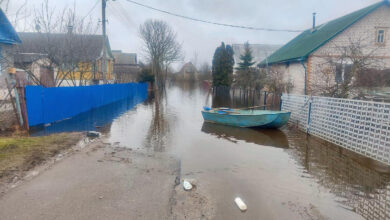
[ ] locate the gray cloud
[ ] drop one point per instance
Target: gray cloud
(125, 18)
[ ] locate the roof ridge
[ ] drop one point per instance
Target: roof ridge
(307, 41)
(57, 33)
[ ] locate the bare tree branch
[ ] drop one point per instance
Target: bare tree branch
(161, 48)
(343, 65)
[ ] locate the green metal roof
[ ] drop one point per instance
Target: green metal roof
(308, 41)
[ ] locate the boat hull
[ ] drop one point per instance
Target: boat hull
(266, 120)
(281, 120)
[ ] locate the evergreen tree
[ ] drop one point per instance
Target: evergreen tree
(246, 58)
(223, 62)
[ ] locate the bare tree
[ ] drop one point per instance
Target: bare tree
(194, 59)
(344, 68)
(205, 71)
(161, 48)
(63, 46)
(12, 12)
(4, 5)
(277, 83)
(16, 11)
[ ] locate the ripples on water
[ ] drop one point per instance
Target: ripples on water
(174, 124)
(361, 184)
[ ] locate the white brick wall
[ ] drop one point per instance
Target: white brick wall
(363, 31)
(295, 73)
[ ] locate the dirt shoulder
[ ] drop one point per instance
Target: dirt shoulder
(192, 205)
(19, 154)
(104, 181)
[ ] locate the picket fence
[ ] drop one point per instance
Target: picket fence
(360, 126)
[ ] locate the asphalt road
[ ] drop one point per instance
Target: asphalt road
(99, 182)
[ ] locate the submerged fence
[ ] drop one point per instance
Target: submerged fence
(47, 105)
(360, 126)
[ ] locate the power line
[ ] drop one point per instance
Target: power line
(122, 12)
(120, 15)
(211, 22)
(90, 11)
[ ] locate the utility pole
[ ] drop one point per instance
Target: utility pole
(104, 61)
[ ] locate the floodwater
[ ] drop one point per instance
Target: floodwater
(279, 174)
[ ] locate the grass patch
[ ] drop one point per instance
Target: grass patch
(18, 154)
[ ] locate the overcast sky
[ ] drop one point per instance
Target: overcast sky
(124, 19)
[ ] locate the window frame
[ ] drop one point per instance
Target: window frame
(341, 71)
(384, 35)
(380, 36)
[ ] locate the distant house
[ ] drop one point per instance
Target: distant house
(67, 58)
(307, 55)
(188, 72)
(126, 67)
(8, 39)
(259, 52)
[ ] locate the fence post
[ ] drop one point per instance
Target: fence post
(23, 107)
(308, 118)
(265, 99)
(280, 102)
(15, 103)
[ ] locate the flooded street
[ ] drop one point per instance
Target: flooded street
(280, 174)
(187, 110)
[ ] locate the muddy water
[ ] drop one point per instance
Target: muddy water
(280, 174)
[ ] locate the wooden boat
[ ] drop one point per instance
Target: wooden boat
(246, 118)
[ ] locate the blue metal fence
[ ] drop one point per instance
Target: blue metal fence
(47, 105)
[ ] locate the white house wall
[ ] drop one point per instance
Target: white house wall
(6, 61)
(365, 32)
(294, 73)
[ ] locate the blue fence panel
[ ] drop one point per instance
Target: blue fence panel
(47, 105)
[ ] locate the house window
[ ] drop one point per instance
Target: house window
(339, 73)
(342, 72)
(380, 38)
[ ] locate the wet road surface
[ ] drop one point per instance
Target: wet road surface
(280, 174)
(98, 182)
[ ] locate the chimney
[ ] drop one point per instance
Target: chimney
(314, 21)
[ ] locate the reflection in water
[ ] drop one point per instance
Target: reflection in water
(364, 187)
(173, 123)
(356, 184)
(238, 98)
(270, 137)
(190, 88)
(158, 133)
(221, 98)
(98, 118)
